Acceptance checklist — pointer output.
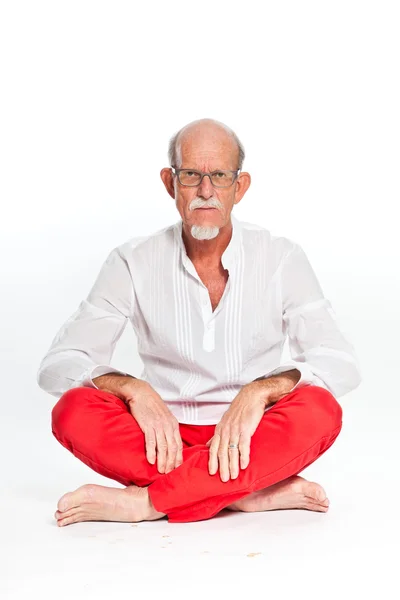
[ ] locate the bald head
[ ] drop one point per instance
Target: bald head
(203, 136)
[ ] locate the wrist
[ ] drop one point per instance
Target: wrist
(273, 388)
(261, 389)
(116, 383)
(133, 389)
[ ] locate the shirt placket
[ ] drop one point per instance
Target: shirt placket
(209, 317)
(208, 320)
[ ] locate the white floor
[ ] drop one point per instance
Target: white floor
(352, 550)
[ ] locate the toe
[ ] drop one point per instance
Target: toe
(74, 517)
(63, 522)
(74, 499)
(65, 502)
(317, 499)
(318, 505)
(319, 493)
(316, 493)
(313, 505)
(72, 512)
(60, 515)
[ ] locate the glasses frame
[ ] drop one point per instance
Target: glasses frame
(203, 174)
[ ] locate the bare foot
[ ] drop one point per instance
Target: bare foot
(93, 502)
(293, 492)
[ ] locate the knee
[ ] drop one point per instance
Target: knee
(67, 411)
(324, 406)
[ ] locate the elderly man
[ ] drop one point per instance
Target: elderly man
(214, 421)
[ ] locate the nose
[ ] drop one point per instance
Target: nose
(206, 189)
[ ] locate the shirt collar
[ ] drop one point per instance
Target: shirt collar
(229, 255)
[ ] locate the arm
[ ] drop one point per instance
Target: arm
(319, 350)
(273, 388)
(82, 349)
(116, 383)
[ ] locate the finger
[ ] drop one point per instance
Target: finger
(179, 453)
(150, 441)
(233, 454)
(213, 457)
(172, 448)
(223, 457)
(244, 450)
(161, 448)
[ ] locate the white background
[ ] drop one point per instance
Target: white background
(91, 92)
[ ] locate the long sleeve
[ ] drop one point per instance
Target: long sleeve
(84, 345)
(318, 348)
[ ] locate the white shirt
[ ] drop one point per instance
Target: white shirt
(198, 360)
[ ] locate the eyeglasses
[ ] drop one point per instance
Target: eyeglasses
(191, 178)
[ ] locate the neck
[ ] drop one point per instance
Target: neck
(207, 252)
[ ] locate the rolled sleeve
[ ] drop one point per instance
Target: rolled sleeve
(318, 347)
(307, 377)
(87, 377)
(84, 345)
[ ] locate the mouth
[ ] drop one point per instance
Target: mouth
(205, 208)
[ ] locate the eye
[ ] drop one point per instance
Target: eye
(220, 174)
(191, 173)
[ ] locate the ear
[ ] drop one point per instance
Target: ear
(242, 185)
(168, 180)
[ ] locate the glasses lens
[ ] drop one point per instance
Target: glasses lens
(222, 178)
(187, 177)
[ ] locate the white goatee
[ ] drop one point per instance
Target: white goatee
(204, 232)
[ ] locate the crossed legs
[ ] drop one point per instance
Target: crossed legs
(98, 428)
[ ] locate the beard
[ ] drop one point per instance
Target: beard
(204, 232)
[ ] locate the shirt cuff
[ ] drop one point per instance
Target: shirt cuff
(307, 377)
(87, 378)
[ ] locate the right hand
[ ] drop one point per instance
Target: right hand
(160, 427)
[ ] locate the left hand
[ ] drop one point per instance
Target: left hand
(237, 426)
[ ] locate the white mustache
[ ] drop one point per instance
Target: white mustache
(200, 203)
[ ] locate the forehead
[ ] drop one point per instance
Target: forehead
(208, 148)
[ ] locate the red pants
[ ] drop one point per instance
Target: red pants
(98, 428)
